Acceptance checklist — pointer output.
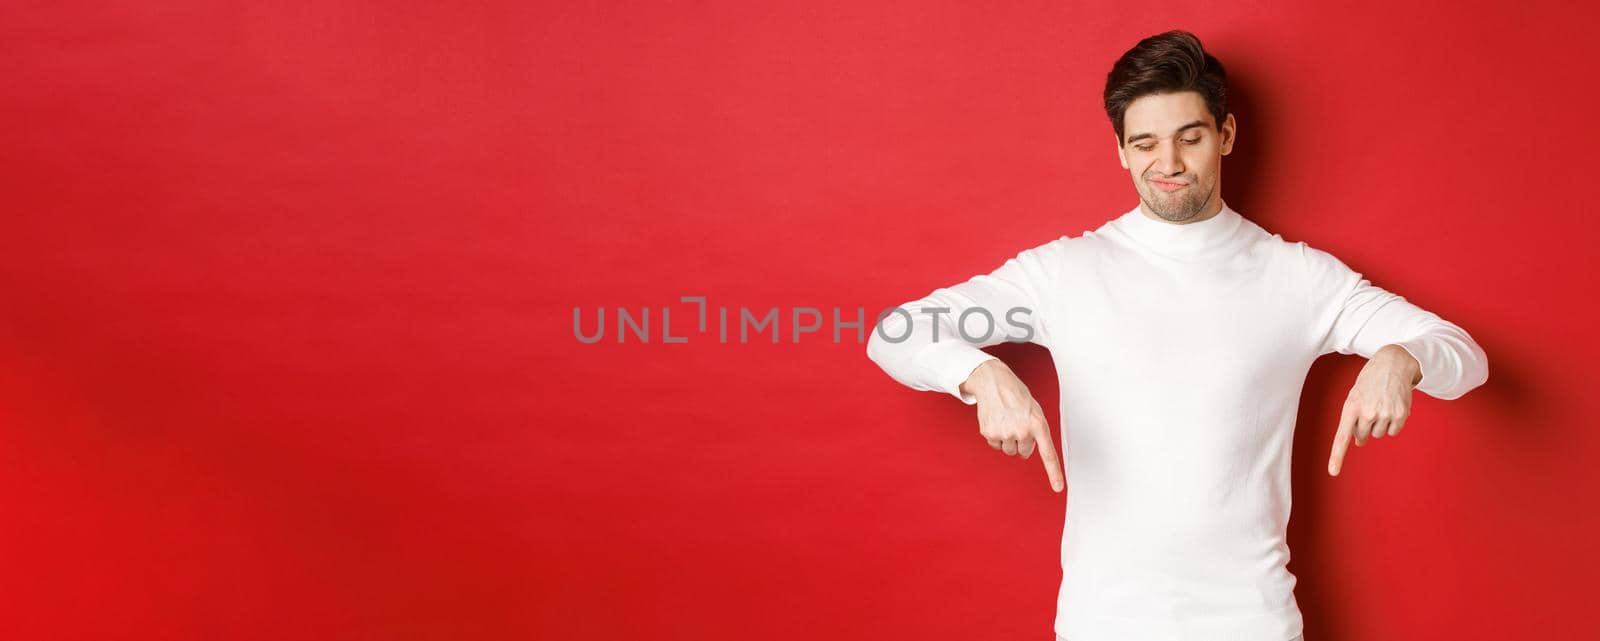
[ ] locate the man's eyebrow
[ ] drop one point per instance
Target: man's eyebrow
(1138, 137)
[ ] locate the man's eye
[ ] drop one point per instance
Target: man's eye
(1144, 147)
(1191, 141)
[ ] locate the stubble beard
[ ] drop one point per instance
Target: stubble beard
(1180, 206)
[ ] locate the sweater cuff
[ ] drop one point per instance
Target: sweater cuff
(1418, 349)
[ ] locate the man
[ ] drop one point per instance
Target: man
(1182, 333)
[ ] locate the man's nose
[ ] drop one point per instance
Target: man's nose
(1170, 161)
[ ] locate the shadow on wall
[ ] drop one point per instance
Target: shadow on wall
(1243, 168)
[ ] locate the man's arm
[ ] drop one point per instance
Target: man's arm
(923, 347)
(1451, 363)
(1367, 318)
(1406, 346)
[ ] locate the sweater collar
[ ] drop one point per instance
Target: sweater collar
(1185, 240)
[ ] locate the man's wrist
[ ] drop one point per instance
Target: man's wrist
(1405, 361)
(980, 383)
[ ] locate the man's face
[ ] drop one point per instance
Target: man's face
(1174, 151)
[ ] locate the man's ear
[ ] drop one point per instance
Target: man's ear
(1230, 130)
(1122, 156)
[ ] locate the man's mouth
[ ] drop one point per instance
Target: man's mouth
(1167, 185)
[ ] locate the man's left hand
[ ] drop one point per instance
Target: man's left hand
(1379, 402)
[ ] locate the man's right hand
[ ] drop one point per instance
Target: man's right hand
(1009, 419)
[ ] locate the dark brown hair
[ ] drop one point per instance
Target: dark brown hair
(1166, 63)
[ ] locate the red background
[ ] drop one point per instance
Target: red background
(287, 335)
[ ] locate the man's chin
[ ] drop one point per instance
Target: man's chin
(1171, 209)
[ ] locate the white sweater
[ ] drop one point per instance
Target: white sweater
(1181, 351)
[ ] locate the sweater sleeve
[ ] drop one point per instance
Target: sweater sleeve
(919, 344)
(1356, 317)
